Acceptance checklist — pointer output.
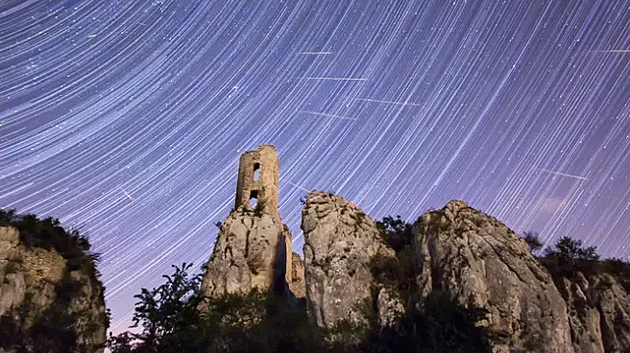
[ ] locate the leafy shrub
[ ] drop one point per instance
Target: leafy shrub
(399, 272)
(533, 242)
(55, 329)
(568, 256)
(396, 232)
(568, 249)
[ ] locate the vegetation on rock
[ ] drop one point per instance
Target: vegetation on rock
(169, 319)
(569, 256)
(61, 326)
(533, 242)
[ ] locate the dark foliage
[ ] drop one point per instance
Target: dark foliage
(568, 249)
(54, 329)
(568, 256)
(533, 242)
(396, 232)
(398, 272)
(261, 323)
(255, 322)
(48, 234)
(172, 322)
(439, 325)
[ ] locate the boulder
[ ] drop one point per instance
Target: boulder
(249, 254)
(340, 244)
(479, 261)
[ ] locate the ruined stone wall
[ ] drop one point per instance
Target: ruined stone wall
(254, 247)
(258, 179)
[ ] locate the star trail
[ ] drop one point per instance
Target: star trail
(126, 119)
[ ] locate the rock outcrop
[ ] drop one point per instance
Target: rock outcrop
(340, 244)
(350, 275)
(249, 254)
(253, 249)
(481, 262)
(297, 284)
(599, 313)
(48, 302)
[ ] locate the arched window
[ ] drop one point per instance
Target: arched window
(256, 171)
(253, 199)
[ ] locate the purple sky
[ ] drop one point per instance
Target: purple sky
(127, 118)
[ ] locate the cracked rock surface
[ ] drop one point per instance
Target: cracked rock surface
(599, 313)
(249, 254)
(32, 282)
(297, 277)
(340, 241)
(479, 261)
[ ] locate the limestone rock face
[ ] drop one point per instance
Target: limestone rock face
(340, 242)
(253, 244)
(249, 254)
(599, 313)
(39, 289)
(297, 284)
(479, 261)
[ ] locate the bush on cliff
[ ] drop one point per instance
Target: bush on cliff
(58, 327)
(533, 242)
(171, 322)
(569, 256)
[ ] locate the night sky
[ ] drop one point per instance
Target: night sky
(126, 119)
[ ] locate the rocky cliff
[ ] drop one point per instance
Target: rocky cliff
(474, 259)
(340, 244)
(598, 311)
(50, 296)
(481, 262)
(250, 253)
(351, 274)
(297, 283)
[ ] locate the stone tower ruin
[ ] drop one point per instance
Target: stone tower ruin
(257, 190)
(254, 247)
(257, 185)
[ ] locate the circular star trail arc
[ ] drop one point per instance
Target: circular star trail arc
(127, 119)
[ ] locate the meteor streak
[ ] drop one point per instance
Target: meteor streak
(388, 102)
(334, 78)
(299, 187)
(328, 115)
(564, 174)
(316, 53)
(612, 51)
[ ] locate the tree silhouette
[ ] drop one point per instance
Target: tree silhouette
(533, 242)
(396, 232)
(571, 250)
